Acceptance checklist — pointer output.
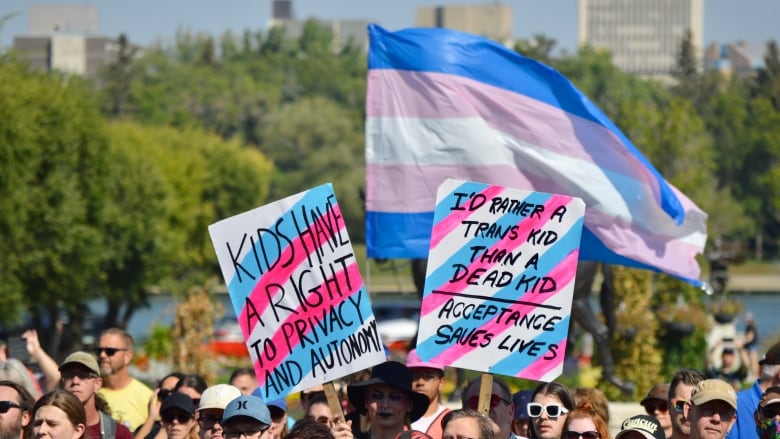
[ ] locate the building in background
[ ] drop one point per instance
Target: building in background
(344, 31)
(65, 38)
(492, 20)
(643, 35)
(740, 59)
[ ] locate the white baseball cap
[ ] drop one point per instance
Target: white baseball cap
(218, 396)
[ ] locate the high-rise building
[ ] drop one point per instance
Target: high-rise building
(492, 20)
(741, 58)
(643, 35)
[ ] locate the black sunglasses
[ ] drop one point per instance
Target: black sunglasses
(661, 406)
(207, 422)
(8, 405)
(182, 417)
(571, 434)
(81, 375)
(109, 351)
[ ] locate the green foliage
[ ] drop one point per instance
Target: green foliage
(159, 343)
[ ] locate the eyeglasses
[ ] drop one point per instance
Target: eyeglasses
(770, 411)
(207, 422)
(726, 414)
(425, 376)
(678, 404)
(80, 375)
(182, 417)
(495, 400)
(661, 406)
(553, 410)
(571, 434)
(8, 405)
(237, 434)
(110, 352)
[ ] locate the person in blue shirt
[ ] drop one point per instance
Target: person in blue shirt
(748, 399)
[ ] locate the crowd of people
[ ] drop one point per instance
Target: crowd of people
(91, 395)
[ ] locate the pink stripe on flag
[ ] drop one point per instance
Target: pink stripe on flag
(428, 95)
(542, 367)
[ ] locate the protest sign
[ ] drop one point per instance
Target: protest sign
(297, 292)
(500, 279)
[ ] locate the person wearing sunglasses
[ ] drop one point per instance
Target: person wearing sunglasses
(585, 422)
(127, 397)
(640, 427)
(246, 417)
(767, 414)
(712, 409)
(178, 417)
(16, 404)
(80, 375)
(502, 409)
(152, 428)
(428, 379)
(656, 404)
(680, 387)
(548, 410)
(212, 407)
(748, 399)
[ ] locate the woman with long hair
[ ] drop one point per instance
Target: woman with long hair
(549, 409)
(585, 422)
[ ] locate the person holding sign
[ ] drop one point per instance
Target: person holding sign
(387, 401)
(502, 409)
(551, 404)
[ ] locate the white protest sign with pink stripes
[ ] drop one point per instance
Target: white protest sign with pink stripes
(297, 292)
(500, 279)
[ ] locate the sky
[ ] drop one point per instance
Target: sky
(144, 21)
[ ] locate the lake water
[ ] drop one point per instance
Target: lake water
(765, 308)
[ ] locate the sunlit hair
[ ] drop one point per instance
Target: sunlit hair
(128, 339)
(689, 377)
(65, 401)
(241, 371)
(595, 397)
(485, 426)
(15, 371)
(586, 411)
(25, 399)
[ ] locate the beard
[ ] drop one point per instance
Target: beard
(12, 431)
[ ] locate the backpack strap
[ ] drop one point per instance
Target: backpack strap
(107, 426)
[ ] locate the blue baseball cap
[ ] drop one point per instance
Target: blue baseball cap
(521, 400)
(249, 406)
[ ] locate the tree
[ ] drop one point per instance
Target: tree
(117, 79)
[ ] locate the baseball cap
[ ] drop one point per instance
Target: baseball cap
(647, 425)
(179, 401)
(521, 400)
(772, 355)
(83, 358)
(218, 396)
(249, 406)
(770, 396)
(714, 389)
(414, 360)
(659, 391)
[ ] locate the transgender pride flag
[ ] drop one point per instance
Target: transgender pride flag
(444, 104)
